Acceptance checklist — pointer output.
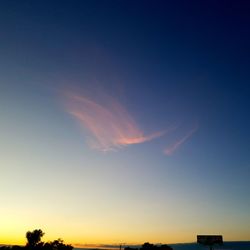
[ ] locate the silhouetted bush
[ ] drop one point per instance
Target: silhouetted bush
(165, 247)
(149, 246)
(57, 245)
(34, 242)
(34, 238)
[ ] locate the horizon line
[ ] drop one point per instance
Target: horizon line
(117, 245)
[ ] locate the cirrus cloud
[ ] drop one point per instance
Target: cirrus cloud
(173, 147)
(109, 124)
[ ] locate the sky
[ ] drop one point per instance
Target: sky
(124, 121)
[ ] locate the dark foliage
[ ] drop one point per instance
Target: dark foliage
(130, 248)
(34, 238)
(34, 243)
(56, 245)
(165, 247)
(149, 246)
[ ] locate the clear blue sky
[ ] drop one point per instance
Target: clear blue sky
(124, 121)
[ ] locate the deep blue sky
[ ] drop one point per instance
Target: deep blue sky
(169, 64)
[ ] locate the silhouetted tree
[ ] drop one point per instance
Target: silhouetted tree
(35, 243)
(147, 246)
(34, 238)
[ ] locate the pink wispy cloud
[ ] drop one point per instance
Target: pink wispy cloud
(109, 124)
(173, 147)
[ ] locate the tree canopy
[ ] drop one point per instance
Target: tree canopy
(34, 237)
(34, 242)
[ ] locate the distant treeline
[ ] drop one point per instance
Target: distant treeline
(149, 246)
(34, 243)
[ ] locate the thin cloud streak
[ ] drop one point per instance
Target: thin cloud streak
(110, 125)
(97, 246)
(172, 148)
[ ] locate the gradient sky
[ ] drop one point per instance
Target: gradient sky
(124, 121)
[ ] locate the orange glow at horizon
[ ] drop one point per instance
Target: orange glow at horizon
(102, 242)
